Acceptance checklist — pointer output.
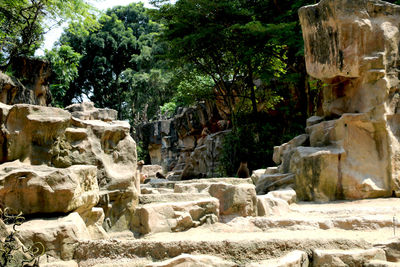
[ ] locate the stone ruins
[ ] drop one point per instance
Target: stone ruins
(332, 201)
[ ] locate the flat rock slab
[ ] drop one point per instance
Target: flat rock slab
(354, 257)
(175, 216)
(162, 183)
(295, 258)
(170, 197)
(234, 200)
(186, 260)
(245, 247)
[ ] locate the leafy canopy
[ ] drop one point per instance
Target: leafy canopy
(23, 23)
(119, 68)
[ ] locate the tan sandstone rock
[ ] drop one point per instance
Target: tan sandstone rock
(151, 170)
(356, 257)
(186, 260)
(59, 236)
(94, 220)
(40, 189)
(70, 263)
(234, 200)
(174, 216)
(295, 258)
(38, 135)
(269, 205)
(87, 111)
(353, 47)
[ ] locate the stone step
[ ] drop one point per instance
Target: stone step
(171, 197)
(293, 224)
(381, 263)
(162, 183)
(151, 190)
(242, 248)
(174, 216)
(353, 257)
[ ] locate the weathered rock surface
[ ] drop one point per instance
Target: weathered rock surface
(269, 205)
(40, 189)
(59, 236)
(234, 200)
(272, 182)
(34, 73)
(174, 216)
(189, 144)
(295, 258)
(352, 151)
(58, 142)
(151, 170)
(186, 260)
(87, 111)
(346, 258)
(69, 263)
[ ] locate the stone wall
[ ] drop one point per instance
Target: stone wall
(352, 152)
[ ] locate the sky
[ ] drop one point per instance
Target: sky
(53, 35)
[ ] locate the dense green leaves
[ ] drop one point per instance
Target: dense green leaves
(23, 23)
(119, 67)
(64, 63)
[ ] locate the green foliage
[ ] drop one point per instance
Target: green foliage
(168, 109)
(253, 140)
(64, 63)
(192, 87)
(23, 23)
(119, 67)
(235, 44)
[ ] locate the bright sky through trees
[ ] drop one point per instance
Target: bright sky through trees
(53, 35)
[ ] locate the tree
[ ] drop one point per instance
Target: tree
(227, 41)
(64, 64)
(119, 68)
(23, 23)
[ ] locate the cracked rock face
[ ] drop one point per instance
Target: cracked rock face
(52, 161)
(353, 152)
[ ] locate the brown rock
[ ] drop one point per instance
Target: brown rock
(174, 216)
(355, 257)
(295, 258)
(186, 260)
(40, 189)
(234, 200)
(59, 236)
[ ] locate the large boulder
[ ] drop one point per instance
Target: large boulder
(175, 216)
(352, 151)
(234, 200)
(59, 236)
(354, 257)
(53, 137)
(41, 189)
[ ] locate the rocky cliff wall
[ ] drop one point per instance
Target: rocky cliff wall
(29, 84)
(352, 152)
(188, 144)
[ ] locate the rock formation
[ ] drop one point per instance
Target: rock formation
(29, 84)
(188, 144)
(55, 162)
(352, 152)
